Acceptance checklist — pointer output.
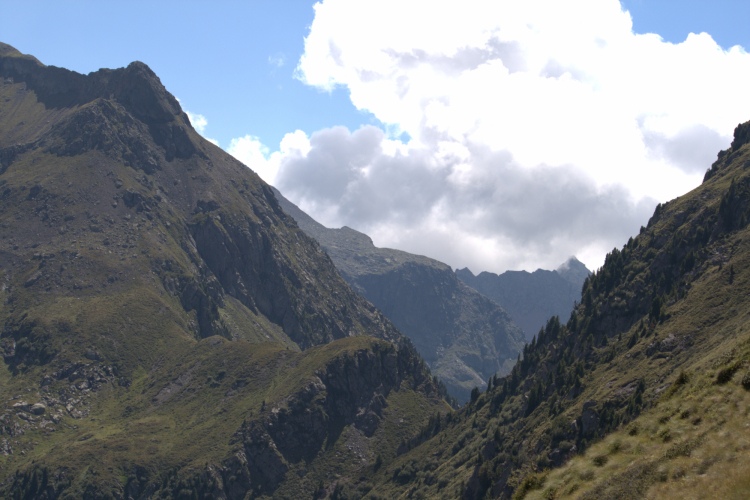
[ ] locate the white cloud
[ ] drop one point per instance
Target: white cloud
(258, 157)
(538, 129)
(250, 151)
(199, 123)
(465, 205)
(277, 60)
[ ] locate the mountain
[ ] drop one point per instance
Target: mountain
(464, 337)
(643, 393)
(573, 271)
(532, 298)
(167, 330)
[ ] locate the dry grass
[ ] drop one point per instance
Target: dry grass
(693, 445)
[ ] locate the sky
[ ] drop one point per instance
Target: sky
(488, 134)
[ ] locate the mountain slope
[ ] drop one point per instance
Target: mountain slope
(464, 337)
(532, 298)
(162, 317)
(657, 353)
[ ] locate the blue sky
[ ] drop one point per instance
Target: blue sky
(231, 61)
(447, 186)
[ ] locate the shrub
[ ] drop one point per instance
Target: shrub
(599, 460)
(726, 373)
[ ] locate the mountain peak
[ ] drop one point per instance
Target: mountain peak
(571, 262)
(136, 87)
(573, 271)
(139, 89)
(88, 109)
(8, 50)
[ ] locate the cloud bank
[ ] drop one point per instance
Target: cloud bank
(536, 129)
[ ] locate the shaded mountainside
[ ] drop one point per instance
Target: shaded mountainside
(464, 337)
(643, 393)
(166, 327)
(532, 298)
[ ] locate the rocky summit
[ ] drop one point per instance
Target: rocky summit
(166, 327)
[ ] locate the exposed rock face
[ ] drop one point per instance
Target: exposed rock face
(223, 218)
(350, 391)
(532, 298)
(573, 271)
(464, 337)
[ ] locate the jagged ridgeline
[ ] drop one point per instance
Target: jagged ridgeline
(166, 329)
(532, 298)
(644, 392)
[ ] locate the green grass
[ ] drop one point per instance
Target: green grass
(216, 385)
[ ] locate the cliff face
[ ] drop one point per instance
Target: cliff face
(464, 337)
(141, 270)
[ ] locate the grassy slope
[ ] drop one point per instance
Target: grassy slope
(663, 331)
(182, 416)
(695, 438)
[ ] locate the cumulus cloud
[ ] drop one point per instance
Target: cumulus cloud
(253, 153)
(465, 205)
(537, 129)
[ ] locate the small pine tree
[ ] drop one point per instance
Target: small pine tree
(474, 394)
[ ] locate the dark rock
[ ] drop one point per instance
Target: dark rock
(38, 409)
(589, 419)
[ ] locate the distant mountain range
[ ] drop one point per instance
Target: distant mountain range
(532, 298)
(465, 337)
